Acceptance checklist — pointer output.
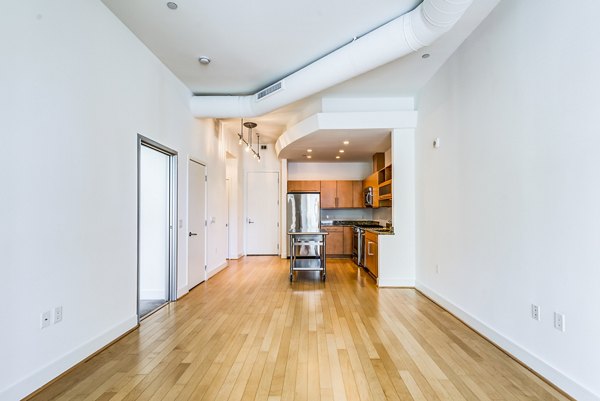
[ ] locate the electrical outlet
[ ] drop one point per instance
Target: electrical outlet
(45, 319)
(58, 314)
(437, 269)
(559, 321)
(535, 312)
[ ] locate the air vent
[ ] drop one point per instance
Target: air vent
(270, 90)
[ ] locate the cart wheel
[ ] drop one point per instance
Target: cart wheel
(291, 277)
(324, 277)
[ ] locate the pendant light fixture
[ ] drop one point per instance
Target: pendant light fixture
(248, 143)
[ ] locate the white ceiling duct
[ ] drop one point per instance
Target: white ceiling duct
(401, 36)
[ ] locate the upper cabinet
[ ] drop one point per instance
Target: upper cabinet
(357, 194)
(337, 194)
(334, 194)
(384, 183)
(304, 186)
(381, 181)
(328, 194)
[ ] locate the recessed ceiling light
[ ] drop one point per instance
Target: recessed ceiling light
(337, 157)
(204, 60)
(172, 6)
(341, 150)
(346, 142)
(426, 55)
(309, 150)
(309, 157)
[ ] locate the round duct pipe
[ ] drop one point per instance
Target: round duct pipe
(399, 37)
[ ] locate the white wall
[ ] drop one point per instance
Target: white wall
(77, 89)
(397, 252)
(329, 171)
(508, 206)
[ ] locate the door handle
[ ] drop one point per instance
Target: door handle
(191, 233)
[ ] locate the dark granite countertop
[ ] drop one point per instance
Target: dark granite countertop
(350, 223)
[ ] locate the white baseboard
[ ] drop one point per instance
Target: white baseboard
(553, 375)
(47, 373)
(182, 291)
(395, 282)
(152, 294)
(217, 269)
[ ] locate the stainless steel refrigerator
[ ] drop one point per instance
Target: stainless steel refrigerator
(304, 216)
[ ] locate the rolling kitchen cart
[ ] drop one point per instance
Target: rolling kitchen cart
(307, 252)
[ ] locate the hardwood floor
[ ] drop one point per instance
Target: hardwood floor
(248, 334)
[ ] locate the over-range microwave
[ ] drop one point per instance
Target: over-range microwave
(368, 196)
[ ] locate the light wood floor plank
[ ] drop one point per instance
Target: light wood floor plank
(250, 334)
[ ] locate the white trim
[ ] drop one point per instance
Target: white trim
(210, 273)
(534, 362)
(396, 282)
(55, 368)
(181, 291)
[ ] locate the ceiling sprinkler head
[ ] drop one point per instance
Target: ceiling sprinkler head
(426, 55)
(172, 6)
(204, 60)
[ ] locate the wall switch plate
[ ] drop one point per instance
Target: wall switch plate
(45, 319)
(58, 314)
(559, 321)
(535, 312)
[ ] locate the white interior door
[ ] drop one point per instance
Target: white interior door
(262, 221)
(196, 224)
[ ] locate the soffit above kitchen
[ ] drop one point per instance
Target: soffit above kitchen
(325, 145)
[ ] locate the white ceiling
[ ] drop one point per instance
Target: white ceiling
(255, 43)
(251, 43)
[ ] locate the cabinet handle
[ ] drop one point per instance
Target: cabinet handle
(369, 252)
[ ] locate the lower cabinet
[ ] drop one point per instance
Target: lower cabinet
(335, 241)
(348, 234)
(371, 254)
(339, 241)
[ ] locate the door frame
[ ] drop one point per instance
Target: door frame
(172, 269)
(187, 206)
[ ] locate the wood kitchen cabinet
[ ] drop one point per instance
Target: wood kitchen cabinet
(371, 253)
(328, 194)
(304, 186)
(335, 241)
(339, 241)
(357, 194)
(348, 234)
(337, 194)
(344, 194)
